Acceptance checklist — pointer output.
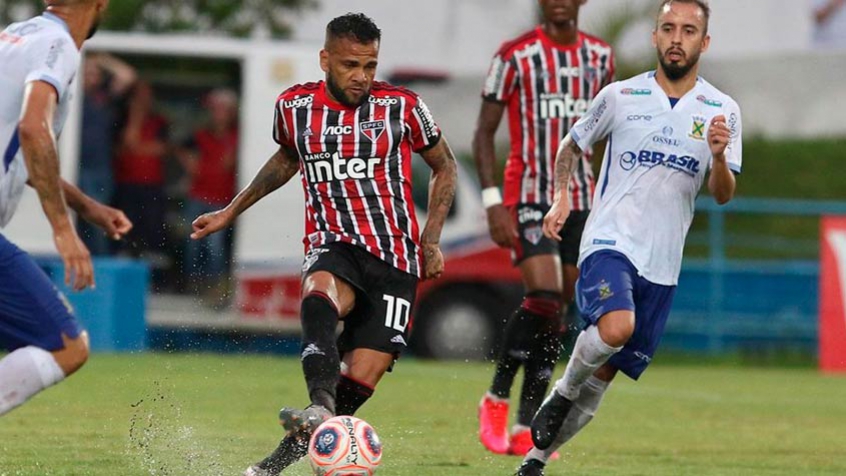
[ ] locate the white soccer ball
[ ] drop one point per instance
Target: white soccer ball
(344, 446)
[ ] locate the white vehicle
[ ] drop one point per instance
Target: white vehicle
(457, 316)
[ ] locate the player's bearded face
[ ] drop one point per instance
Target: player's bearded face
(680, 38)
(350, 69)
(676, 62)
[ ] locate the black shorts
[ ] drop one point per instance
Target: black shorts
(384, 297)
(531, 242)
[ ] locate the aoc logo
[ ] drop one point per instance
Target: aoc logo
(323, 167)
(302, 101)
(651, 158)
(337, 131)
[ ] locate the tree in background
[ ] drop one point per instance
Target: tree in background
(270, 18)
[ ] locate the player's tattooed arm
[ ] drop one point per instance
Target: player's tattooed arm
(441, 194)
(276, 172)
(569, 154)
(38, 143)
(566, 159)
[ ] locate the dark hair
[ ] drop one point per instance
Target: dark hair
(355, 26)
(702, 4)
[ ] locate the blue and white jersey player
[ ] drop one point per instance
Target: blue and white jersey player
(668, 131)
(40, 58)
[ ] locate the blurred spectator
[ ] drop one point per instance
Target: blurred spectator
(830, 23)
(139, 174)
(106, 81)
(210, 161)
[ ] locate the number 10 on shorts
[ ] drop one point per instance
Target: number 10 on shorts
(396, 316)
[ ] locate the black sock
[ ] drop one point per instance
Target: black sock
(538, 372)
(544, 348)
(512, 353)
(351, 395)
(321, 362)
(289, 451)
(538, 313)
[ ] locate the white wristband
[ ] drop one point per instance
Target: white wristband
(491, 197)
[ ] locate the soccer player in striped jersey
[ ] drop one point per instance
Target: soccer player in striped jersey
(546, 79)
(351, 139)
(668, 131)
(40, 58)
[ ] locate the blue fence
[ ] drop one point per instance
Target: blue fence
(754, 306)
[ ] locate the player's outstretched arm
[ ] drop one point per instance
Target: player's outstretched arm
(566, 159)
(721, 181)
(276, 172)
(42, 163)
(441, 193)
(502, 228)
(112, 221)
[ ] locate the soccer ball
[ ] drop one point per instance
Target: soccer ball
(344, 446)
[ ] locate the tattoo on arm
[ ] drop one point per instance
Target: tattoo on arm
(276, 172)
(441, 189)
(566, 160)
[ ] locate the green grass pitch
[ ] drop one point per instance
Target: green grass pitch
(204, 415)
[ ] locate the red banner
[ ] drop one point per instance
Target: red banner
(832, 331)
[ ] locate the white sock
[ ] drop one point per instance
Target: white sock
(584, 407)
(25, 372)
(589, 354)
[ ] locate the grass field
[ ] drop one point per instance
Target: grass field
(203, 415)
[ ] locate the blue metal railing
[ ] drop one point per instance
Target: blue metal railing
(730, 304)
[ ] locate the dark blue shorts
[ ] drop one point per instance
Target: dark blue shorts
(609, 282)
(32, 311)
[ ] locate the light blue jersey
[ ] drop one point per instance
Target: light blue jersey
(655, 163)
(39, 49)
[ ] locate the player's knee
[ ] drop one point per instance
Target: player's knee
(543, 303)
(74, 355)
(616, 328)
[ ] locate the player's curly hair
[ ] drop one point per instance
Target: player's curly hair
(355, 26)
(702, 4)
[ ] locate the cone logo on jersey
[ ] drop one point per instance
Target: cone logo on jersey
(372, 129)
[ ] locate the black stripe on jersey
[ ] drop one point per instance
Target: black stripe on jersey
(395, 182)
(366, 148)
(338, 196)
(541, 81)
(302, 119)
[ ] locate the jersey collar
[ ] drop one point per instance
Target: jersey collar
(545, 39)
(54, 18)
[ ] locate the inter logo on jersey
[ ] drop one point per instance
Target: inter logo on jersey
(372, 129)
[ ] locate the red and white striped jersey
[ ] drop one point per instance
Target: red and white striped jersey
(547, 87)
(355, 165)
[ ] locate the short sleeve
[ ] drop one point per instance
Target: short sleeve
(280, 127)
(54, 60)
(502, 78)
(734, 150)
(597, 122)
(425, 132)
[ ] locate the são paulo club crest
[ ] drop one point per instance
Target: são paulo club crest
(372, 129)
